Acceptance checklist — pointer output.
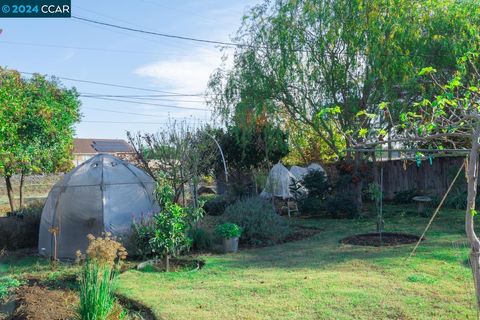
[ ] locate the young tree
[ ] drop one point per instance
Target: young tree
(451, 119)
(178, 154)
(36, 127)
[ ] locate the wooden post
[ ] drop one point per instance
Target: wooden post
(358, 186)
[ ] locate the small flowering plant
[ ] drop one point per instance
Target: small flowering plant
(103, 257)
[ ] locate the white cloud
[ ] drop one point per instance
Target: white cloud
(183, 74)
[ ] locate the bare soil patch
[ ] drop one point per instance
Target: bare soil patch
(37, 303)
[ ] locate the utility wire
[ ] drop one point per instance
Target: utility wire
(151, 104)
(93, 49)
(136, 97)
(165, 35)
(125, 112)
(228, 44)
(119, 86)
(141, 122)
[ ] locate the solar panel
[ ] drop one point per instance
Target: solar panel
(111, 146)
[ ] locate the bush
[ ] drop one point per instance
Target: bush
(215, 206)
(457, 199)
(260, 224)
(312, 206)
(228, 230)
(167, 232)
(317, 186)
(7, 283)
(404, 197)
(341, 205)
(201, 239)
(315, 181)
(20, 229)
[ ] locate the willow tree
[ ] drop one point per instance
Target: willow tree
(36, 127)
(319, 62)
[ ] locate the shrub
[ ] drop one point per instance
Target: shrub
(341, 205)
(167, 232)
(97, 280)
(20, 228)
(228, 230)
(201, 239)
(317, 186)
(404, 197)
(143, 230)
(7, 283)
(215, 206)
(315, 181)
(260, 224)
(312, 206)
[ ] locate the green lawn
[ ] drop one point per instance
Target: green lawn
(319, 278)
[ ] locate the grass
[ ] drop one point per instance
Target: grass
(316, 278)
(319, 278)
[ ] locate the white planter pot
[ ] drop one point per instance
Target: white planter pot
(230, 245)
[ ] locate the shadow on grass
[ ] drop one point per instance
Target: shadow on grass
(323, 250)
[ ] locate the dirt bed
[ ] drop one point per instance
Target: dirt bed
(377, 239)
(37, 303)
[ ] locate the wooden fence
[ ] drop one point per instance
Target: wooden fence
(432, 179)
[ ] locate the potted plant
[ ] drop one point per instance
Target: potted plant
(230, 232)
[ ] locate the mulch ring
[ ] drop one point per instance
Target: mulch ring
(375, 240)
(39, 301)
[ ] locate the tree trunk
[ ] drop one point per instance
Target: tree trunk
(472, 177)
(358, 185)
(377, 182)
(8, 184)
(20, 191)
(167, 263)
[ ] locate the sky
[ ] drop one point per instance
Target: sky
(79, 50)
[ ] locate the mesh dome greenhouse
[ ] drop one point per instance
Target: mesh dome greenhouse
(103, 194)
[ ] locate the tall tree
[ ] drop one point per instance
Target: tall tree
(36, 127)
(319, 62)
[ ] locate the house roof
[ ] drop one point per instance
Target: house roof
(92, 146)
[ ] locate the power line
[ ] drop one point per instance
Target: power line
(119, 86)
(165, 35)
(125, 112)
(146, 96)
(91, 49)
(150, 104)
(136, 97)
(229, 44)
(138, 122)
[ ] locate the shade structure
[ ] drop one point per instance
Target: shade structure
(103, 194)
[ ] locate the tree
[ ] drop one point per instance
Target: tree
(36, 127)
(320, 62)
(450, 119)
(178, 154)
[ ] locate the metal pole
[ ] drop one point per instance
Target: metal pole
(221, 153)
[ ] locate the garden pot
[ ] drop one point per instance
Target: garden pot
(230, 245)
